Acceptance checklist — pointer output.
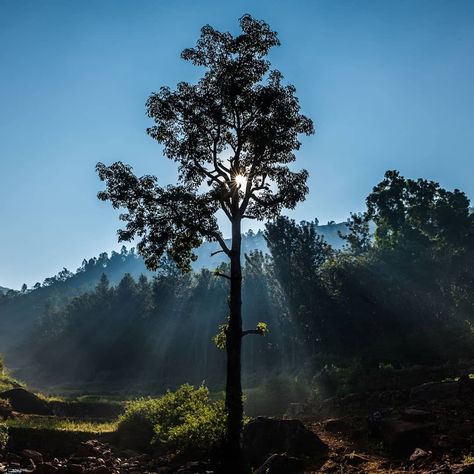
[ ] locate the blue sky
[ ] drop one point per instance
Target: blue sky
(389, 84)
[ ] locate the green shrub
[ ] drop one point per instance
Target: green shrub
(3, 436)
(5, 408)
(184, 421)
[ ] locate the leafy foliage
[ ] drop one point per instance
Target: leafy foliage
(238, 120)
(183, 421)
(399, 294)
(3, 436)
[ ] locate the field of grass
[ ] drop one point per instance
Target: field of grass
(61, 424)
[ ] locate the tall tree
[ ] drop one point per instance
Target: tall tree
(232, 134)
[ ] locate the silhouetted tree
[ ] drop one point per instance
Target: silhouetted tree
(233, 135)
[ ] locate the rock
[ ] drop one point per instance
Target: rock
(463, 468)
(35, 456)
(81, 460)
(75, 468)
(415, 414)
(336, 425)
(466, 385)
(128, 453)
(402, 437)
(281, 464)
(263, 437)
(194, 467)
(164, 470)
(355, 459)
(30, 466)
(46, 468)
(101, 470)
(418, 455)
(24, 401)
(434, 391)
(12, 457)
(374, 423)
(295, 411)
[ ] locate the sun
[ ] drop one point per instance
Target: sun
(240, 181)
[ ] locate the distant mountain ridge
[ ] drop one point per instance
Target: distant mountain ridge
(117, 265)
(256, 241)
(20, 313)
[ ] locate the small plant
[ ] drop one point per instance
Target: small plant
(5, 408)
(468, 458)
(184, 421)
(3, 436)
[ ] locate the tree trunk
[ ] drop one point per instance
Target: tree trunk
(234, 405)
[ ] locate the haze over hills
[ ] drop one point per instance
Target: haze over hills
(135, 266)
(20, 315)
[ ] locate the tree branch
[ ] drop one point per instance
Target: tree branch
(216, 252)
(223, 275)
(222, 243)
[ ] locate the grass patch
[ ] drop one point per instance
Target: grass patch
(61, 424)
(7, 382)
(468, 459)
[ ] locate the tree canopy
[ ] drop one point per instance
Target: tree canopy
(233, 135)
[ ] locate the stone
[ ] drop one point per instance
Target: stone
(101, 470)
(336, 425)
(12, 457)
(24, 401)
(415, 414)
(75, 468)
(295, 410)
(128, 453)
(430, 391)
(418, 455)
(35, 456)
(463, 468)
(194, 467)
(164, 470)
(46, 468)
(466, 385)
(402, 437)
(355, 459)
(281, 464)
(263, 437)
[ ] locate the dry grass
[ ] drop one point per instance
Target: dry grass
(61, 424)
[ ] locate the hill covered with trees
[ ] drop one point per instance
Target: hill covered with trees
(394, 297)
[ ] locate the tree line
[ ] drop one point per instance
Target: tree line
(399, 293)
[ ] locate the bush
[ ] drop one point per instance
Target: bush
(5, 408)
(184, 421)
(3, 436)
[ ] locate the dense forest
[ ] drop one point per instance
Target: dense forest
(398, 293)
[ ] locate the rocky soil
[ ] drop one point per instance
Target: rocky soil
(427, 429)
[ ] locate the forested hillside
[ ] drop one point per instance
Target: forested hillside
(396, 297)
(21, 310)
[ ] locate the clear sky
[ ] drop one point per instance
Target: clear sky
(389, 84)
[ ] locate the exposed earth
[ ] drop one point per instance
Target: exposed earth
(428, 428)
